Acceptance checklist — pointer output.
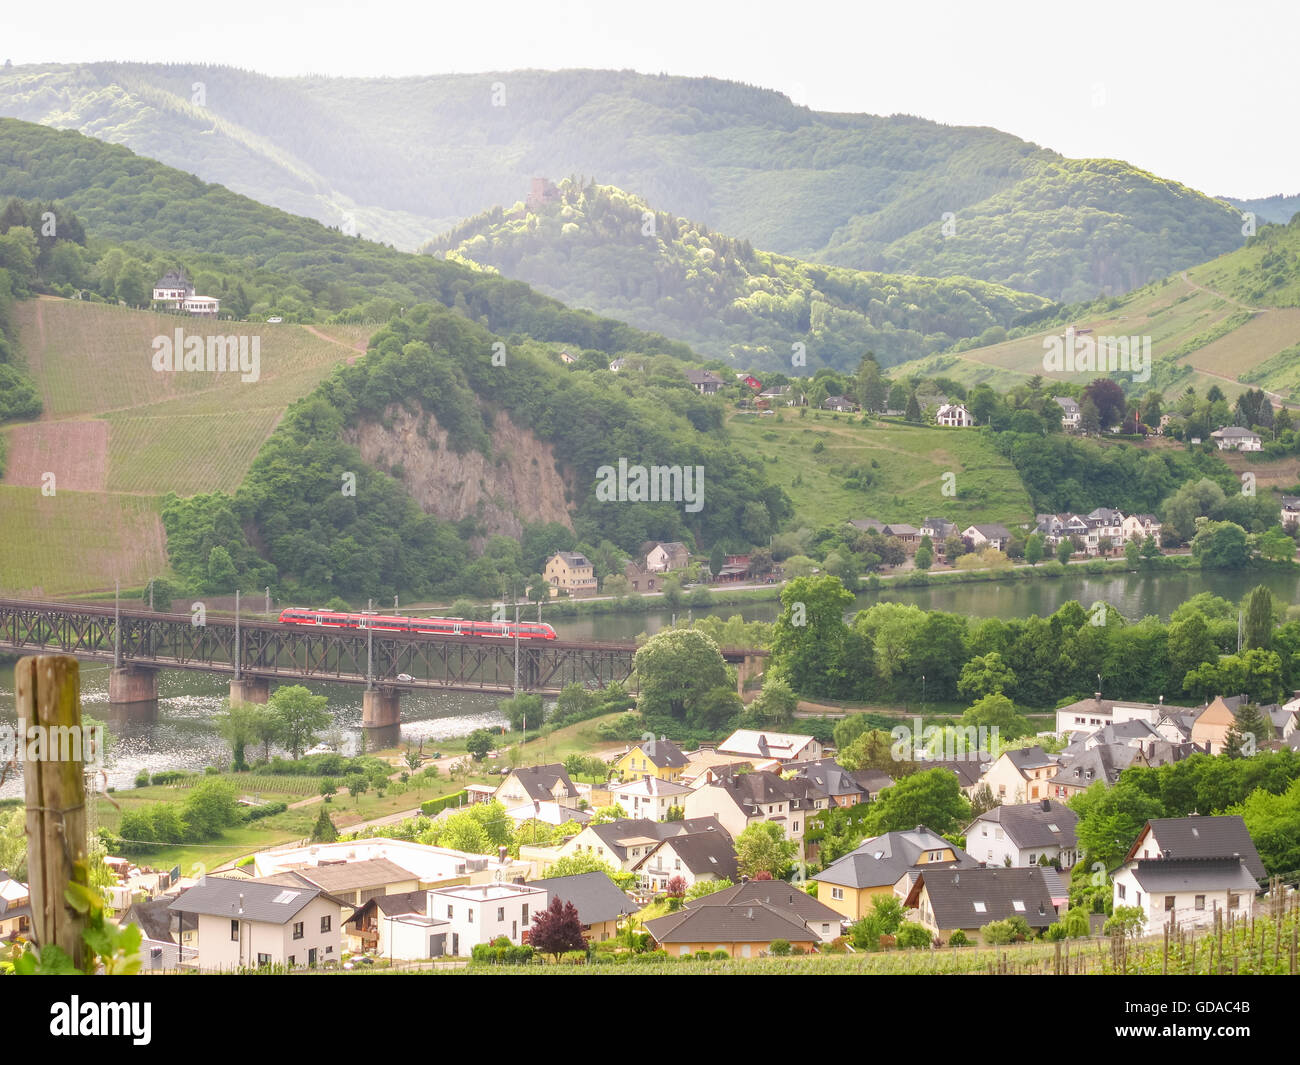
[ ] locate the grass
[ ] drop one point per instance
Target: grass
(77, 541)
(908, 475)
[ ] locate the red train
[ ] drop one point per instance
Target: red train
(528, 630)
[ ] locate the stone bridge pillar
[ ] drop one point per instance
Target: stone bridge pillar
(132, 684)
(381, 717)
(250, 689)
(749, 669)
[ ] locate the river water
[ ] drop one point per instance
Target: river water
(181, 735)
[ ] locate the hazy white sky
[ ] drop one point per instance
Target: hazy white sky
(1200, 92)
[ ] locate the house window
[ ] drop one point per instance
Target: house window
(234, 931)
(981, 908)
(470, 917)
(325, 923)
(1233, 901)
(263, 959)
(677, 864)
(1032, 859)
(1200, 902)
(837, 893)
(796, 826)
(1169, 903)
(501, 913)
(525, 913)
(1120, 888)
(297, 930)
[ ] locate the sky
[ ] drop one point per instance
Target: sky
(1198, 92)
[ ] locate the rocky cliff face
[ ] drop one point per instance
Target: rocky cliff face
(518, 484)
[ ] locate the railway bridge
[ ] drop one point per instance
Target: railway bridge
(254, 653)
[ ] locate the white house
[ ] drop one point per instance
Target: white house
(694, 857)
(782, 746)
(650, 797)
(248, 924)
(480, 913)
(954, 415)
(1235, 438)
(739, 800)
(997, 536)
(1140, 526)
(1070, 413)
(1019, 835)
(1290, 514)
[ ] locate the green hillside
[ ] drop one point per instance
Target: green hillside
(607, 250)
(1232, 322)
(403, 159)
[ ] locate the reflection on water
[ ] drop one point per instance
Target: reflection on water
(180, 734)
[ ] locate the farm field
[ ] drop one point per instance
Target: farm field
(121, 435)
(905, 465)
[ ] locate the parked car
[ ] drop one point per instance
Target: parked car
(405, 678)
(275, 319)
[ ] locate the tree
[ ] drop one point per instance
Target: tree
(1126, 921)
(1221, 545)
(985, 675)
(809, 635)
(464, 832)
(676, 668)
(580, 862)
(1259, 618)
(775, 704)
(676, 887)
(358, 785)
(521, 709)
(327, 788)
(763, 848)
(1133, 553)
(707, 887)
(925, 554)
(324, 831)
(479, 743)
(717, 559)
(884, 919)
(557, 929)
(932, 798)
(1064, 550)
(874, 749)
(210, 807)
(1109, 399)
(996, 711)
(1089, 418)
(237, 723)
(912, 936)
(299, 716)
(913, 412)
(1251, 730)
(412, 757)
(1275, 545)
(1034, 549)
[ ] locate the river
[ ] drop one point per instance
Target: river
(182, 736)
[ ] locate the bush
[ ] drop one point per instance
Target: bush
(256, 813)
(997, 933)
(721, 955)
(958, 939)
(142, 779)
(911, 935)
(780, 948)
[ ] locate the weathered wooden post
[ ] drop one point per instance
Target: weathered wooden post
(48, 694)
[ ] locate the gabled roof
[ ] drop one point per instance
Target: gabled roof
(1071, 406)
(663, 753)
(764, 744)
(827, 778)
(1202, 837)
(884, 860)
(538, 781)
(248, 900)
(1024, 758)
(653, 786)
(154, 916)
(397, 904)
(595, 896)
(992, 532)
(969, 771)
(774, 893)
(573, 558)
(350, 876)
(750, 923)
(616, 834)
(703, 853)
(1104, 762)
(759, 788)
(969, 898)
(1036, 824)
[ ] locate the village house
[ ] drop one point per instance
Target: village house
(885, 865)
(663, 557)
(1104, 763)
(1089, 715)
(650, 797)
(1234, 438)
(954, 415)
(1021, 775)
(15, 908)
(705, 382)
(823, 922)
(830, 784)
(1105, 530)
(746, 931)
(641, 579)
(480, 913)
(1140, 526)
(842, 404)
(623, 843)
(353, 882)
(598, 900)
(651, 758)
(571, 573)
(996, 536)
(782, 746)
(398, 927)
(968, 771)
(1024, 834)
(533, 784)
(541, 193)
(693, 856)
(174, 291)
(1213, 724)
(250, 924)
(1071, 415)
(947, 901)
(708, 764)
(1184, 869)
(1290, 513)
(744, 799)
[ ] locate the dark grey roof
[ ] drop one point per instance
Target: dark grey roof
(217, 896)
(154, 916)
(1190, 874)
(703, 853)
(595, 896)
(1202, 837)
(968, 770)
(969, 898)
(828, 778)
(1104, 762)
(664, 753)
(774, 893)
(884, 860)
(539, 780)
(1036, 824)
(396, 904)
(751, 923)
(1030, 758)
(872, 781)
(630, 827)
(759, 788)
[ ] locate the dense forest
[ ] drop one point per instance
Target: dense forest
(321, 541)
(283, 264)
(608, 250)
(406, 158)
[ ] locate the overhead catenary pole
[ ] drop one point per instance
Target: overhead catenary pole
(516, 602)
(370, 646)
(117, 625)
(237, 654)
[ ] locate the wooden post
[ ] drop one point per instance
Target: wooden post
(48, 690)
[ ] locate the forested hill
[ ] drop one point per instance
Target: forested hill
(607, 250)
(313, 272)
(407, 158)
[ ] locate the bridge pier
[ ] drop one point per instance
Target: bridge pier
(132, 684)
(750, 668)
(250, 689)
(381, 717)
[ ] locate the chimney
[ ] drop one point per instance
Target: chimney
(1097, 696)
(1047, 805)
(501, 855)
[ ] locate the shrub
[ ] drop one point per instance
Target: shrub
(958, 939)
(997, 933)
(256, 813)
(142, 779)
(912, 935)
(780, 948)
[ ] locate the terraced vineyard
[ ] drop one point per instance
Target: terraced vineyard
(117, 435)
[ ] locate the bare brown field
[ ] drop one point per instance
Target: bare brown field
(75, 452)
